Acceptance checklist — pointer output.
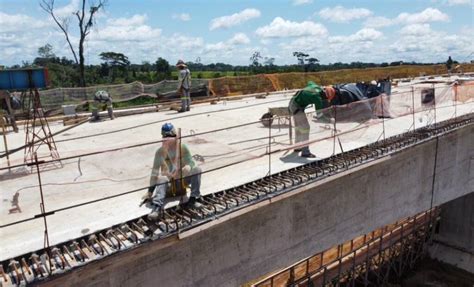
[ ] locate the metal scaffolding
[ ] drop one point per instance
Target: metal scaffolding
(368, 260)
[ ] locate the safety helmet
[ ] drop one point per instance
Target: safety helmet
(168, 130)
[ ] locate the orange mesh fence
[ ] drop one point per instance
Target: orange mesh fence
(464, 91)
(230, 86)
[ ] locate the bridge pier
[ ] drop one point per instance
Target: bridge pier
(454, 241)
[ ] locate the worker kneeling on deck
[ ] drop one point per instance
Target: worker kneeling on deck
(173, 171)
(102, 98)
(311, 94)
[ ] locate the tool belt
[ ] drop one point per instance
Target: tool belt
(177, 188)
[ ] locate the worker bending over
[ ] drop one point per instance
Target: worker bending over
(343, 94)
(311, 94)
(101, 99)
(167, 178)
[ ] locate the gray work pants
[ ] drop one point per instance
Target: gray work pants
(163, 185)
(185, 99)
(302, 127)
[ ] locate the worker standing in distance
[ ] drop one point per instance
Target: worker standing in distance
(184, 85)
(449, 64)
(311, 94)
(173, 171)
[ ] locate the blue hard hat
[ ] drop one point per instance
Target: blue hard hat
(167, 130)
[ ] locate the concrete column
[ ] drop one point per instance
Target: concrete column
(454, 242)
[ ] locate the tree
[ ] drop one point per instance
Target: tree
(85, 24)
(145, 66)
(301, 57)
(163, 69)
(114, 59)
(269, 61)
(311, 64)
(255, 58)
(46, 52)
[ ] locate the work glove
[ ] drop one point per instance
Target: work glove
(151, 189)
(149, 193)
(146, 196)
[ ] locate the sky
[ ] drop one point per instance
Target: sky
(231, 31)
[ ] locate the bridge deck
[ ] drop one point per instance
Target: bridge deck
(241, 149)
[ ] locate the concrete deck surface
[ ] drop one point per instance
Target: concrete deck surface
(94, 177)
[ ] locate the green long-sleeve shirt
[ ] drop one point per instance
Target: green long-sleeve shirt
(165, 161)
(311, 94)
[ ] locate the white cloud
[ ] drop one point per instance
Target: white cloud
(126, 29)
(181, 42)
(19, 22)
(366, 34)
(229, 45)
(378, 22)
(135, 36)
(239, 39)
(339, 14)
(432, 46)
(135, 20)
(234, 19)
(67, 10)
(363, 35)
(183, 17)
(280, 28)
(459, 2)
(427, 15)
(416, 29)
(302, 2)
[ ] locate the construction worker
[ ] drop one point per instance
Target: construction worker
(311, 94)
(449, 64)
(102, 98)
(9, 103)
(343, 94)
(167, 178)
(184, 85)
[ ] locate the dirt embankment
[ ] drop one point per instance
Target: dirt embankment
(228, 86)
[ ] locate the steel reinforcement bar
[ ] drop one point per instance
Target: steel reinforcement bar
(45, 263)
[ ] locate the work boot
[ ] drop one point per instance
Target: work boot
(155, 214)
(187, 109)
(308, 155)
(95, 116)
(193, 203)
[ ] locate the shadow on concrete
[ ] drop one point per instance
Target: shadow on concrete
(294, 157)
